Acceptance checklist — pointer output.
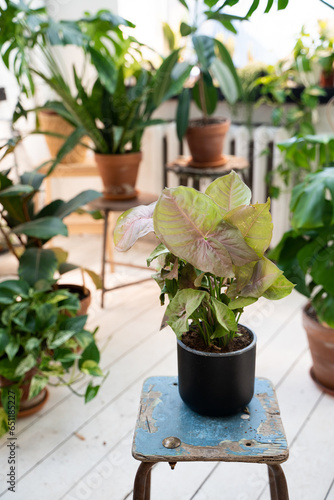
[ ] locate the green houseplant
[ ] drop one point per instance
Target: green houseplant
(213, 65)
(42, 342)
(28, 229)
(212, 260)
(305, 253)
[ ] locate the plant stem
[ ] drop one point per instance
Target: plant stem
(9, 243)
(202, 97)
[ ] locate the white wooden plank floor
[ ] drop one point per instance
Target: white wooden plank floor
(72, 451)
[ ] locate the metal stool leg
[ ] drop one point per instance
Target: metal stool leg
(104, 247)
(277, 482)
(142, 486)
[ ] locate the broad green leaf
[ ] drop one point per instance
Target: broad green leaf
(241, 302)
(282, 4)
(279, 289)
(229, 192)
(44, 228)
(16, 190)
(84, 338)
(182, 113)
(224, 315)
(189, 224)
(184, 3)
(185, 29)
(322, 270)
(226, 80)
(182, 307)
(254, 223)
(91, 368)
(253, 7)
(90, 353)
(61, 254)
(205, 50)
(96, 278)
(25, 365)
(265, 273)
(37, 264)
(209, 91)
(38, 382)
(308, 201)
(17, 287)
(324, 307)
(269, 6)
(60, 338)
(133, 224)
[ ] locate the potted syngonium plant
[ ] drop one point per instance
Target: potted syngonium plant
(306, 253)
(211, 253)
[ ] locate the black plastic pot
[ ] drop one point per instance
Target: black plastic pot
(216, 384)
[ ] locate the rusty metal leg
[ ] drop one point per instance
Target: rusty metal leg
(277, 482)
(142, 486)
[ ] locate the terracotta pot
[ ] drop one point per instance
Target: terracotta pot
(52, 122)
(216, 384)
(85, 296)
(327, 79)
(321, 343)
(119, 174)
(27, 406)
(206, 142)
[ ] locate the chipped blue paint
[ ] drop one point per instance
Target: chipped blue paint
(164, 414)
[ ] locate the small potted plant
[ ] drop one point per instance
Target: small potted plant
(211, 65)
(211, 253)
(305, 253)
(28, 230)
(42, 342)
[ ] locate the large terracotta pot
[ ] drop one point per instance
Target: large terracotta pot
(119, 174)
(206, 141)
(321, 342)
(216, 384)
(52, 122)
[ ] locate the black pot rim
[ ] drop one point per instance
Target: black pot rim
(221, 354)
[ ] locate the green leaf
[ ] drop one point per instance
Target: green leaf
(37, 264)
(90, 353)
(25, 365)
(44, 228)
(279, 289)
(12, 348)
(282, 4)
(91, 392)
(308, 201)
(38, 382)
(224, 315)
(77, 202)
(241, 302)
(205, 50)
(4, 339)
(227, 59)
(185, 29)
(16, 287)
(265, 273)
(3, 422)
(133, 224)
(84, 338)
(106, 69)
(226, 80)
(322, 270)
(182, 113)
(229, 192)
(210, 94)
(159, 250)
(182, 307)
(269, 6)
(60, 338)
(254, 223)
(190, 225)
(184, 3)
(91, 368)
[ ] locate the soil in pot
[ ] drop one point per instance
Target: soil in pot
(206, 142)
(321, 343)
(217, 383)
(119, 174)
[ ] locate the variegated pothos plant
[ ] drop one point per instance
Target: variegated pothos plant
(211, 254)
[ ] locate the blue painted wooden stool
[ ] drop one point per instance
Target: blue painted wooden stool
(168, 431)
